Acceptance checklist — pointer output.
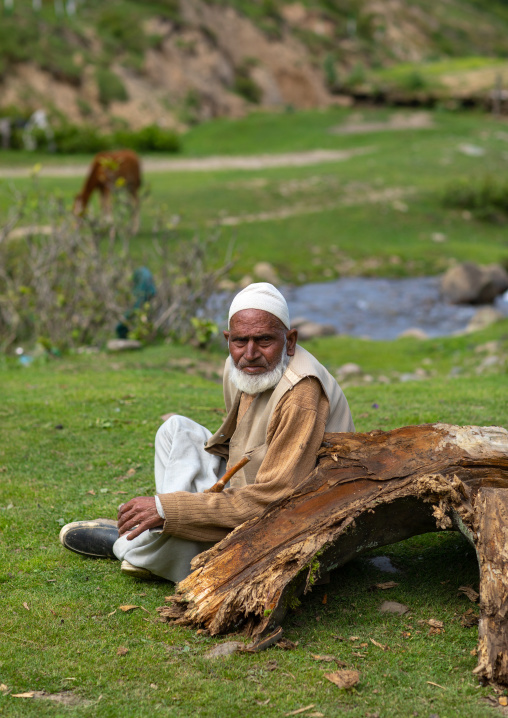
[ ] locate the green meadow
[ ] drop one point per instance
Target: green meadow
(77, 439)
(378, 211)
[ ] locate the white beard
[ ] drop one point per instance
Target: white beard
(258, 383)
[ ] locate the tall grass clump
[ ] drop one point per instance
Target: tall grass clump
(485, 197)
(65, 283)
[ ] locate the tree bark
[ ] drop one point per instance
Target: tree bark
(368, 490)
(492, 545)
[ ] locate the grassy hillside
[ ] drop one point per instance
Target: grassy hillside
(104, 65)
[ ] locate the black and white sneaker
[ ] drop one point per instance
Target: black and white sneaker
(90, 538)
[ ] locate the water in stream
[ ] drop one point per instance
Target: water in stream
(377, 308)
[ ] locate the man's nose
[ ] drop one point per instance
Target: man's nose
(251, 351)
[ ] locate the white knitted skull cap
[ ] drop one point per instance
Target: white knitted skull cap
(261, 295)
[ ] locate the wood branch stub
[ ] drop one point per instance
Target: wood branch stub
(368, 489)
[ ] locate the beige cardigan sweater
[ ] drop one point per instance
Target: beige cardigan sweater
(292, 431)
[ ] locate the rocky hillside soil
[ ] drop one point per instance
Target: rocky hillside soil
(127, 63)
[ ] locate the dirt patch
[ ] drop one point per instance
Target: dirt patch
(390, 194)
(204, 164)
(398, 121)
(66, 698)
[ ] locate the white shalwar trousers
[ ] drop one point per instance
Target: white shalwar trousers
(181, 464)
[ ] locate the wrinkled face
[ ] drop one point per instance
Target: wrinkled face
(256, 341)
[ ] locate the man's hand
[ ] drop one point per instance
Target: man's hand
(138, 515)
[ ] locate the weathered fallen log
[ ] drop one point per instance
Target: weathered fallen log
(368, 490)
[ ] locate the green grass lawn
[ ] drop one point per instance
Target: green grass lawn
(77, 440)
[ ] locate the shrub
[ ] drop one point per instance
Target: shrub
(357, 76)
(71, 139)
(73, 286)
(111, 87)
(486, 197)
(149, 139)
(330, 72)
(244, 85)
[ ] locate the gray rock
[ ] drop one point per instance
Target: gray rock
(266, 272)
(310, 330)
(121, 345)
(393, 607)
(484, 317)
(224, 649)
(470, 283)
(349, 369)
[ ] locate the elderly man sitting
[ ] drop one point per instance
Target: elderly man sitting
(280, 401)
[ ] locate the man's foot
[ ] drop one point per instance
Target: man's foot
(90, 538)
(136, 572)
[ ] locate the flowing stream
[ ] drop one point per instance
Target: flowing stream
(377, 308)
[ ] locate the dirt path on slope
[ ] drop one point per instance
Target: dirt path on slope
(203, 164)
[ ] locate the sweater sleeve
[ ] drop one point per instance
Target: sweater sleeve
(294, 436)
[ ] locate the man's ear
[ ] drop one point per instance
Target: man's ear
(291, 338)
(226, 335)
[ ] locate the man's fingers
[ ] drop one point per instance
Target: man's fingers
(136, 532)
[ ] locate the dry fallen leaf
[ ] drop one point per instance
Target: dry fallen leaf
(154, 686)
(325, 599)
(286, 644)
(344, 679)
(92, 492)
(469, 618)
(300, 710)
(327, 659)
(122, 651)
(435, 626)
(435, 631)
(354, 638)
(432, 622)
(25, 605)
(28, 694)
(127, 608)
(503, 701)
(470, 593)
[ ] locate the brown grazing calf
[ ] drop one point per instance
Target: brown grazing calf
(108, 171)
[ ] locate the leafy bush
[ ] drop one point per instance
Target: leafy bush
(111, 87)
(244, 85)
(357, 76)
(149, 139)
(70, 139)
(86, 139)
(486, 197)
(330, 72)
(121, 30)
